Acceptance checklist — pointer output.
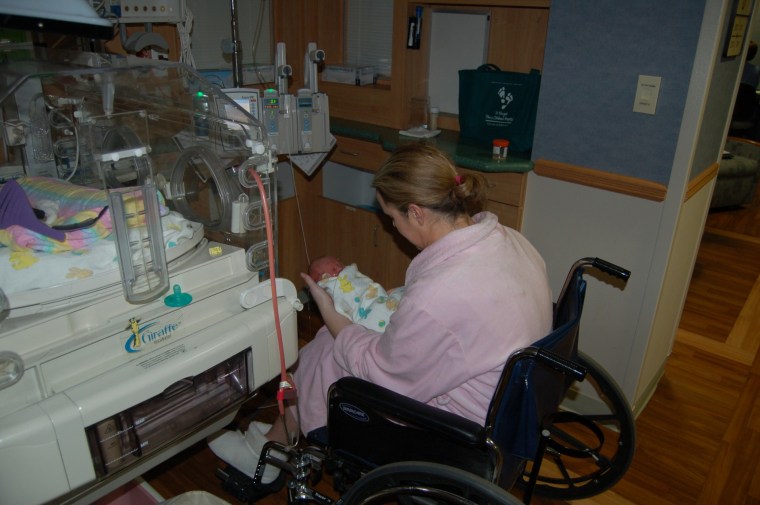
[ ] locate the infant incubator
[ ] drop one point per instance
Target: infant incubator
(126, 336)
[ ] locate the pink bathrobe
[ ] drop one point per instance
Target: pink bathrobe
(472, 298)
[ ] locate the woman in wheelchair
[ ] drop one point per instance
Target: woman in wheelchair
(476, 292)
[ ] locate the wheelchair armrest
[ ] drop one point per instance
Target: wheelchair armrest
(405, 410)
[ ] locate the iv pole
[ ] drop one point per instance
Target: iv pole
(237, 68)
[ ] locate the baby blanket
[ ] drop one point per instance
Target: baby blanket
(65, 203)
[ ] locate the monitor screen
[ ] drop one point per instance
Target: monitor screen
(246, 98)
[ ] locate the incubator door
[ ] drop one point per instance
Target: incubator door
(201, 189)
(127, 172)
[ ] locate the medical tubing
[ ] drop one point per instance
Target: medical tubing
(287, 389)
(56, 112)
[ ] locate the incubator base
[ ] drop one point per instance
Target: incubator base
(103, 400)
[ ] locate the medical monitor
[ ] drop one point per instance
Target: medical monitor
(247, 98)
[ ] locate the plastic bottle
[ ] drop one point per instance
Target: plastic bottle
(433, 119)
(500, 148)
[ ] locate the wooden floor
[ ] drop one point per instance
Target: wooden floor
(698, 438)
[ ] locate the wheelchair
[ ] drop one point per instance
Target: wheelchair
(377, 440)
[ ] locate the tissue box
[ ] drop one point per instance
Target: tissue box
(360, 76)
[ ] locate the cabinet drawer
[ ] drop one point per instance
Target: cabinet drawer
(358, 153)
(504, 187)
(509, 215)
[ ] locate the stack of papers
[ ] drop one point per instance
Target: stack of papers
(419, 132)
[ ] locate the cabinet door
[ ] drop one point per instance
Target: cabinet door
(508, 215)
(506, 195)
(363, 237)
(358, 153)
(316, 226)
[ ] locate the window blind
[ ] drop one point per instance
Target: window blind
(369, 34)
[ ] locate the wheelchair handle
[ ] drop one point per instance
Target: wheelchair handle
(612, 269)
(560, 364)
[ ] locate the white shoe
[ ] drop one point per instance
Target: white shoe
(243, 451)
(255, 438)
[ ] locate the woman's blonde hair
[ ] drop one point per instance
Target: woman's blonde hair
(422, 174)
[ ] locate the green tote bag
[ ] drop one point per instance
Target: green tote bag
(497, 104)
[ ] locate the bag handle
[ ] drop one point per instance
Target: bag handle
(489, 67)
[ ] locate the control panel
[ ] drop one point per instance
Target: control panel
(148, 11)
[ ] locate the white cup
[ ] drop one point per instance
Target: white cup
(433, 119)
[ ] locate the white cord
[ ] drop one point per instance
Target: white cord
(99, 7)
(185, 43)
(76, 158)
(255, 42)
(298, 210)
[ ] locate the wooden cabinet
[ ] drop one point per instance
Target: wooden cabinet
(359, 235)
(358, 153)
(506, 195)
(363, 237)
(353, 234)
(516, 41)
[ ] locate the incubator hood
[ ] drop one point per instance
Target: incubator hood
(120, 123)
(166, 107)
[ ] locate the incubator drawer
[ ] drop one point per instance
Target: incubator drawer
(147, 427)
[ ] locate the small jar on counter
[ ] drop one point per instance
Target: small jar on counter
(500, 148)
(433, 118)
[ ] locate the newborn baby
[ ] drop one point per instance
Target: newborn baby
(355, 295)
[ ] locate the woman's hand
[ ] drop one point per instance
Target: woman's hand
(318, 294)
(333, 319)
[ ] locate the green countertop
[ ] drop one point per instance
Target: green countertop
(465, 152)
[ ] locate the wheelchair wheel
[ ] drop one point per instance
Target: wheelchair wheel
(423, 483)
(588, 451)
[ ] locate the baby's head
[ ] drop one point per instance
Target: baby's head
(326, 266)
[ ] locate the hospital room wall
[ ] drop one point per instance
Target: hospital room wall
(656, 235)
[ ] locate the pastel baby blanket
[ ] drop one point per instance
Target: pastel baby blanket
(65, 204)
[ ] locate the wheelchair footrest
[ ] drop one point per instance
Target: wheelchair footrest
(244, 488)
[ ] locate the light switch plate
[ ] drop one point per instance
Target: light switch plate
(647, 92)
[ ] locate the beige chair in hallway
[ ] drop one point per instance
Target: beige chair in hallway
(738, 174)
